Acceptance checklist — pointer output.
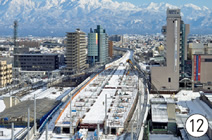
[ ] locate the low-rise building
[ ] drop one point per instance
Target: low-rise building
(202, 72)
(5, 73)
(201, 57)
(36, 62)
(195, 48)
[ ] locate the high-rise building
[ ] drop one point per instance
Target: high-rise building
(102, 44)
(167, 78)
(93, 56)
(5, 73)
(76, 51)
(97, 46)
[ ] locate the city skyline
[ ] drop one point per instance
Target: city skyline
(137, 75)
(35, 18)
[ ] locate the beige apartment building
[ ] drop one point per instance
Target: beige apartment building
(5, 73)
(166, 78)
(76, 52)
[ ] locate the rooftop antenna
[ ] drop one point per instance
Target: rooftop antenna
(15, 32)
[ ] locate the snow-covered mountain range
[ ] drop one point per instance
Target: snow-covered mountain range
(55, 17)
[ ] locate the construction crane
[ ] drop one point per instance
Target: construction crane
(144, 75)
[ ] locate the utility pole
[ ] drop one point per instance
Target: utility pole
(35, 124)
(132, 131)
(28, 123)
(139, 102)
(12, 135)
(105, 113)
(98, 129)
(70, 117)
(137, 120)
(46, 131)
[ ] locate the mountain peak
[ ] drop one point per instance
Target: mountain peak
(40, 17)
(193, 6)
(167, 5)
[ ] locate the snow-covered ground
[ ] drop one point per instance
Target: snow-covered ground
(99, 107)
(191, 100)
(2, 106)
(51, 93)
(7, 133)
(163, 137)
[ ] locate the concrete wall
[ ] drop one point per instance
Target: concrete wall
(10, 101)
(171, 112)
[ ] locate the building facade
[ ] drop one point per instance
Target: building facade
(36, 62)
(116, 38)
(110, 49)
(201, 56)
(102, 44)
(97, 46)
(76, 52)
(92, 48)
(166, 78)
(5, 73)
(196, 48)
(202, 72)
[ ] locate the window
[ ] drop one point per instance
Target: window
(208, 60)
(169, 80)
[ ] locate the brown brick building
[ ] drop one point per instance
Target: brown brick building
(110, 48)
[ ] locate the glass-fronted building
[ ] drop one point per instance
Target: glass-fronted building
(97, 46)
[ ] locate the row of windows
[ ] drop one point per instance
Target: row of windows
(208, 60)
(36, 59)
(36, 56)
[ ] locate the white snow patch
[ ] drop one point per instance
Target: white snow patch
(163, 137)
(2, 106)
(192, 6)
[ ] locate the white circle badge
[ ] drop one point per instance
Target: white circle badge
(197, 125)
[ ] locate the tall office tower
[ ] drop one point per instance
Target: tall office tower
(107, 46)
(166, 78)
(97, 46)
(102, 44)
(92, 48)
(76, 52)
